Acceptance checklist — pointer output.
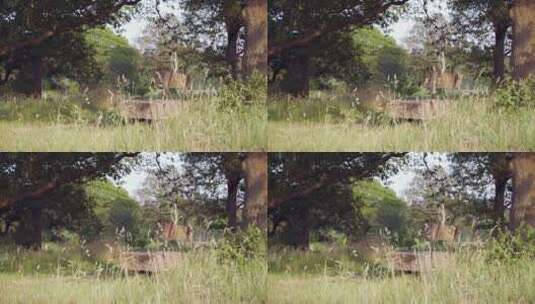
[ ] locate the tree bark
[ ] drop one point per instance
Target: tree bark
(523, 19)
(255, 21)
(38, 73)
(500, 32)
(37, 225)
(297, 82)
(232, 50)
(233, 25)
(233, 183)
(523, 208)
(256, 189)
(500, 185)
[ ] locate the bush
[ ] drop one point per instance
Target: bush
(243, 246)
(516, 94)
(509, 246)
(236, 93)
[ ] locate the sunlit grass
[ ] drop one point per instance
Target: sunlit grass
(470, 279)
(199, 126)
(470, 125)
(199, 278)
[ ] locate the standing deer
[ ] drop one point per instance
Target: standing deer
(441, 231)
(172, 78)
(442, 79)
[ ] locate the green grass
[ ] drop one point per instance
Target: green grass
(200, 125)
(470, 125)
(468, 279)
(200, 278)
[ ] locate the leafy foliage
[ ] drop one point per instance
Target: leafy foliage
(512, 246)
(515, 95)
(238, 248)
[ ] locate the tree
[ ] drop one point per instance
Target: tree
(477, 170)
(522, 15)
(116, 61)
(523, 209)
(29, 26)
(295, 26)
(255, 20)
(29, 179)
(481, 17)
(24, 24)
(256, 189)
(204, 173)
(298, 181)
(64, 55)
(210, 17)
(381, 209)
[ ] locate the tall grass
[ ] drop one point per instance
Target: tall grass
(201, 277)
(469, 278)
(471, 124)
(200, 125)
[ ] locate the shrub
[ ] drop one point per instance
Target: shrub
(240, 247)
(516, 94)
(508, 246)
(236, 93)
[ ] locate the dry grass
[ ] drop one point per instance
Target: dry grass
(200, 278)
(470, 280)
(468, 126)
(199, 126)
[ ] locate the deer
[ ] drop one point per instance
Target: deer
(441, 231)
(442, 79)
(170, 230)
(172, 78)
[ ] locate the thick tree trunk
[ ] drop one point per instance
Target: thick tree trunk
(37, 225)
(500, 32)
(523, 209)
(255, 20)
(38, 73)
(233, 183)
(300, 229)
(297, 82)
(256, 189)
(523, 19)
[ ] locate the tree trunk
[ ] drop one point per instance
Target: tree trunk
(233, 24)
(233, 183)
(523, 19)
(256, 189)
(500, 32)
(500, 185)
(37, 225)
(523, 208)
(299, 223)
(255, 20)
(38, 73)
(298, 78)
(232, 50)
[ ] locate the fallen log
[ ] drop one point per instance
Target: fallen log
(148, 111)
(417, 110)
(417, 262)
(149, 262)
